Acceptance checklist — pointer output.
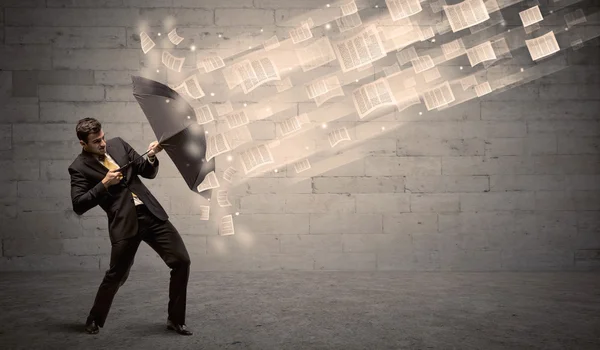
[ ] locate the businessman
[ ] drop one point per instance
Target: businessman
(133, 213)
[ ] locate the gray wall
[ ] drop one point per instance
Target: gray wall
(508, 181)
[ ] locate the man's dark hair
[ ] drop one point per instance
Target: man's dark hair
(87, 126)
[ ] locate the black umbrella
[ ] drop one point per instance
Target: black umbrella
(173, 121)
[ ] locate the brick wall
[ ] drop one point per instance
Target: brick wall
(508, 181)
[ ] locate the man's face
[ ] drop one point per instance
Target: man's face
(96, 143)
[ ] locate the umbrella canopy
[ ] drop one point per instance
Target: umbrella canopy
(173, 121)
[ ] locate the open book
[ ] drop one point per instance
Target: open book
(371, 96)
(253, 73)
(361, 49)
(321, 86)
(293, 124)
(301, 33)
(403, 8)
(542, 46)
(439, 96)
(466, 14)
(480, 53)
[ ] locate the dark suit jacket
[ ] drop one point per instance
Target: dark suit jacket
(87, 189)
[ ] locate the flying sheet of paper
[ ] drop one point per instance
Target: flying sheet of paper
(147, 43)
(215, 145)
(229, 173)
(210, 181)
(439, 96)
(203, 114)
(406, 55)
(425, 33)
(321, 86)
(346, 23)
(226, 226)
(237, 119)
(338, 135)
(480, 53)
(222, 198)
(453, 49)
(255, 73)
(271, 43)
(392, 70)
(192, 87)
(542, 46)
(359, 50)
(256, 157)
(400, 9)
(338, 91)
(232, 78)
(172, 62)
(531, 16)
(442, 27)
(577, 44)
(174, 38)
(349, 8)
(483, 89)
(466, 14)
(371, 96)
(293, 124)
(532, 28)
(204, 212)
(422, 63)
(210, 63)
(301, 33)
(574, 18)
(302, 165)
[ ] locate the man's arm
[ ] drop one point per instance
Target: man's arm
(143, 167)
(82, 198)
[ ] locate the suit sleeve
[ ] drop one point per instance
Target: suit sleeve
(142, 166)
(84, 195)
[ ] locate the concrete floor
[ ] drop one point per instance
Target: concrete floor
(310, 310)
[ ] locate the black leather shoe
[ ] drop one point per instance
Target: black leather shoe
(179, 328)
(91, 327)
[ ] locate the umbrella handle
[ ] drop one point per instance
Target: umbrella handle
(131, 162)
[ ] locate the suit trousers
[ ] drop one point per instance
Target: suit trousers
(164, 238)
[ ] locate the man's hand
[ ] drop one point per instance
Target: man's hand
(154, 148)
(113, 177)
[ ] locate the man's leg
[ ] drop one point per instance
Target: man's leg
(122, 255)
(164, 238)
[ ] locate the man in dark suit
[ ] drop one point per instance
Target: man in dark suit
(133, 213)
